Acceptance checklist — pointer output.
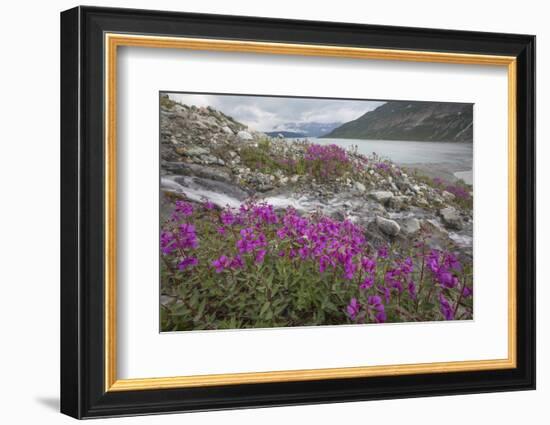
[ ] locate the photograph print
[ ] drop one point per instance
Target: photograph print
(291, 211)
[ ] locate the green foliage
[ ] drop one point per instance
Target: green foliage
(166, 102)
(283, 290)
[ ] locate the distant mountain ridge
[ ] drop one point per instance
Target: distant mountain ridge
(286, 134)
(304, 129)
(414, 121)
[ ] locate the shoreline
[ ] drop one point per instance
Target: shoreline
(444, 170)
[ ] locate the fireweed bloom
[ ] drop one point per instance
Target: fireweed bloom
(375, 304)
(458, 191)
(221, 263)
(187, 237)
(443, 266)
(467, 292)
(250, 240)
(167, 243)
(237, 262)
(188, 262)
(208, 205)
(400, 275)
(227, 218)
(383, 252)
(264, 214)
(445, 307)
(255, 234)
(184, 208)
(368, 265)
(386, 292)
(260, 256)
(367, 283)
(353, 308)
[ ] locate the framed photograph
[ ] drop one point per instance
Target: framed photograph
(261, 212)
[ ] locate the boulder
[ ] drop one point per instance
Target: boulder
(387, 226)
(227, 130)
(360, 187)
(244, 135)
(410, 226)
(209, 159)
(397, 202)
(451, 218)
(421, 201)
(381, 196)
(195, 151)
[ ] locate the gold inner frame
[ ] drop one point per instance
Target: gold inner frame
(113, 41)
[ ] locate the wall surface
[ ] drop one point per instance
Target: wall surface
(29, 213)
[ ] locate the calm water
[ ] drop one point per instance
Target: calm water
(454, 158)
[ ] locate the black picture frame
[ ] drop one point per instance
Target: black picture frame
(83, 392)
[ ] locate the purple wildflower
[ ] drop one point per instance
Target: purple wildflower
(227, 218)
(221, 263)
(368, 264)
(399, 275)
(443, 265)
(237, 262)
(167, 245)
(375, 303)
(367, 283)
(188, 263)
(187, 237)
(383, 252)
(353, 308)
(445, 307)
(260, 256)
(209, 205)
(184, 208)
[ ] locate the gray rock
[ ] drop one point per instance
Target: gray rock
(196, 151)
(227, 130)
(451, 218)
(377, 208)
(244, 135)
(397, 202)
(421, 201)
(167, 300)
(186, 169)
(433, 226)
(416, 188)
(389, 227)
(360, 187)
(410, 226)
(209, 159)
(381, 196)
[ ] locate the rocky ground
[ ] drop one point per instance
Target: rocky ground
(208, 155)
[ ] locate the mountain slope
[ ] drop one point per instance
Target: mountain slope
(418, 121)
(306, 129)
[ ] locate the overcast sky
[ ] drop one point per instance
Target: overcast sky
(265, 113)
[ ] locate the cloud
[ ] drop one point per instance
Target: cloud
(265, 113)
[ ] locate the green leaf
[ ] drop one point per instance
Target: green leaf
(264, 308)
